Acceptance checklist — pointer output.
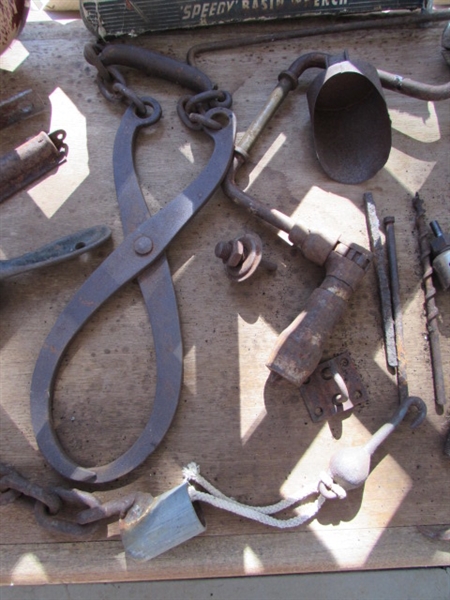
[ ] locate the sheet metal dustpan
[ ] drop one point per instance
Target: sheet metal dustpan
(350, 120)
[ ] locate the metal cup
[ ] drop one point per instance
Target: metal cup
(350, 120)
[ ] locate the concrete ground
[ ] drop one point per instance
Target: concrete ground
(402, 584)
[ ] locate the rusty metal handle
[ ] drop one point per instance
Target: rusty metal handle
(30, 161)
(156, 65)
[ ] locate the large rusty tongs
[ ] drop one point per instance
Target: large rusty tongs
(141, 255)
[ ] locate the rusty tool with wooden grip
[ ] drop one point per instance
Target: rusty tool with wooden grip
(300, 346)
(30, 161)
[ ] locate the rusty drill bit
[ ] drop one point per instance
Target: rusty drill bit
(430, 304)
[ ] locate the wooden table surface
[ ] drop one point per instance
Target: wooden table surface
(252, 438)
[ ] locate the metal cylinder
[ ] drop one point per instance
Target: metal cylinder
(441, 266)
(30, 161)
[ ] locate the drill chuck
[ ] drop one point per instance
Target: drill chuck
(440, 250)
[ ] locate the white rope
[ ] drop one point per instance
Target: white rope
(262, 514)
(250, 513)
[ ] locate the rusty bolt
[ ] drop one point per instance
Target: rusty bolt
(243, 256)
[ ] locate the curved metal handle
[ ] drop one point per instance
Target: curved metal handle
(414, 89)
(385, 430)
(156, 65)
(132, 258)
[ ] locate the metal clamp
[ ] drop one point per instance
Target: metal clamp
(141, 255)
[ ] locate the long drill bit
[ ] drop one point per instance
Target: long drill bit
(430, 303)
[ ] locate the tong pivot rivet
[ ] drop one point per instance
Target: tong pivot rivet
(143, 245)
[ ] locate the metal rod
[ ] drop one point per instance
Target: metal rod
(287, 81)
(402, 379)
(380, 22)
(270, 215)
(376, 245)
(272, 104)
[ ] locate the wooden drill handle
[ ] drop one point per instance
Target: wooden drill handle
(299, 347)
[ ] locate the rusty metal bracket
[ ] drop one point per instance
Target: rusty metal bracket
(335, 387)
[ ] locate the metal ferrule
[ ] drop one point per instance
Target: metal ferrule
(441, 266)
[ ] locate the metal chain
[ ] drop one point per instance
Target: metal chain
(111, 82)
(50, 502)
(191, 109)
(128, 94)
(91, 55)
(12, 480)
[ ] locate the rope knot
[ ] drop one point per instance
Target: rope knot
(191, 472)
(329, 489)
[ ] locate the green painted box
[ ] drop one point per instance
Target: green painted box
(113, 18)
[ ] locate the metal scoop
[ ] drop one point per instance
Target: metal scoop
(350, 120)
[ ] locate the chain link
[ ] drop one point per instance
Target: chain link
(91, 55)
(106, 85)
(50, 502)
(128, 94)
(111, 82)
(204, 121)
(12, 480)
(191, 109)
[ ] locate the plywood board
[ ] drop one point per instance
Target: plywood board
(253, 438)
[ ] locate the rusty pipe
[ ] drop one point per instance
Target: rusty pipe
(270, 215)
(414, 89)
